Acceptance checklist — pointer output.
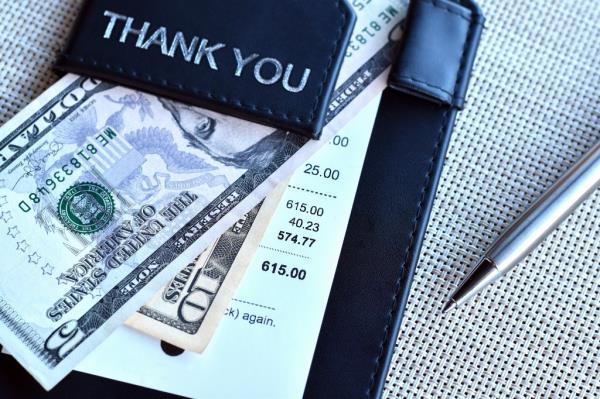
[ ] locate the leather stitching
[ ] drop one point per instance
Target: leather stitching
(400, 281)
(233, 101)
(335, 49)
(429, 85)
(461, 69)
(454, 98)
(425, 188)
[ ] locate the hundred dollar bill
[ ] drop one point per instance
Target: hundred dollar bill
(188, 309)
(107, 192)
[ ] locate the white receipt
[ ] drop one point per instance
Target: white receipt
(265, 343)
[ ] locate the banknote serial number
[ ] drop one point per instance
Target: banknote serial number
(296, 239)
(370, 30)
(57, 177)
(279, 269)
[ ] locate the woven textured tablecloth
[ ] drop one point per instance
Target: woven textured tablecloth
(533, 109)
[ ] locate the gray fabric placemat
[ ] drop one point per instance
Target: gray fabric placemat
(533, 109)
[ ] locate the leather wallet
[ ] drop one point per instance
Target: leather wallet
(272, 62)
(427, 86)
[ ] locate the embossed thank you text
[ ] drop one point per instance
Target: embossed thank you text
(266, 70)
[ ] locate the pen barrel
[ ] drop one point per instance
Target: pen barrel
(547, 212)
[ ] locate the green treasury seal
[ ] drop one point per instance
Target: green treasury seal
(86, 208)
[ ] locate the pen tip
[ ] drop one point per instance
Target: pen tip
(449, 305)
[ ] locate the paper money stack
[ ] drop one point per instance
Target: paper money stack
(119, 206)
(107, 195)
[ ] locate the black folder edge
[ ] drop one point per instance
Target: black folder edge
(393, 201)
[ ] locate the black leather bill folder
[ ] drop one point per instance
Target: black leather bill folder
(427, 87)
(276, 63)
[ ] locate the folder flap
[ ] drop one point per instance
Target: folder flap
(273, 62)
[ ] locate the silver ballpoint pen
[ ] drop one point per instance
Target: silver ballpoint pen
(532, 227)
